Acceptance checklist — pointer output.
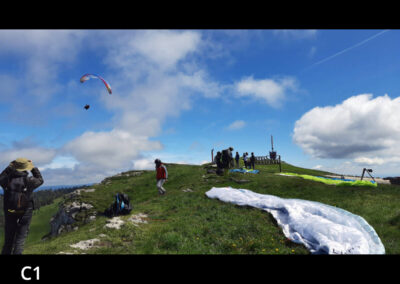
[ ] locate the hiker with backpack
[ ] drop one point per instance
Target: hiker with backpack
(18, 202)
(162, 176)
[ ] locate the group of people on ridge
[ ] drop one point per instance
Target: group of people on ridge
(224, 160)
(248, 162)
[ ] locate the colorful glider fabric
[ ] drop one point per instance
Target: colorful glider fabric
(93, 76)
(335, 181)
(244, 171)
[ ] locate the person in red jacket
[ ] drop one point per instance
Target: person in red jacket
(162, 176)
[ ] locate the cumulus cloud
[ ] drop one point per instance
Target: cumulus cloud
(144, 164)
(271, 91)
(238, 124)
(39, 155)
(361, 127)
(110, 150)
(165, 48)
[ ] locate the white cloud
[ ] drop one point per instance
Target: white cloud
(238, 124)
(39, 155)
(369, 161)
(60, 162)
(272, 91)
(166, 48)
(360, 127)
(110, 150)
(144, 164)
(296, 34)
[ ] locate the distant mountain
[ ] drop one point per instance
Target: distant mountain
(55, 187)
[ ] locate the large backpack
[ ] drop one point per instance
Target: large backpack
(121, 206)
(18, 196)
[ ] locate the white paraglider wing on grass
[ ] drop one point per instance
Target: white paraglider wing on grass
(323, 229)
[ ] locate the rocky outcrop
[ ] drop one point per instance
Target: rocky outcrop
(71, 213)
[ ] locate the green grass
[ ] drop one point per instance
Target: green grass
(190, 223)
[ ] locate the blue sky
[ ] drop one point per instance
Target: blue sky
(330, 98)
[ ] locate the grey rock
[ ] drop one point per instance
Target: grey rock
(67, 216)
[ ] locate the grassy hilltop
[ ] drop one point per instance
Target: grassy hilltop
(190, 223)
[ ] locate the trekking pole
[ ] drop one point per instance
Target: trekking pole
(362, 176)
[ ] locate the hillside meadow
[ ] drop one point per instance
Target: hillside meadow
(187, 222)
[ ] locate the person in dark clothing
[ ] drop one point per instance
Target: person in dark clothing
(231, 160)
(237, 157)
(252, 160)
(225, 159)
(218, 161)
(18, 202)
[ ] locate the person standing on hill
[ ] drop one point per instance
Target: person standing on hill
(248, 161)
(245, 160)
(218, 161)
(252, 160)
(231, 160)
(237, 157)
(18, 202)
(162, 176)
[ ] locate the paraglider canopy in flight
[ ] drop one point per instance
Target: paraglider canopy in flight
(91, 76)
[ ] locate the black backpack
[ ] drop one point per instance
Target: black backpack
(121, 206)
(18, 196)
